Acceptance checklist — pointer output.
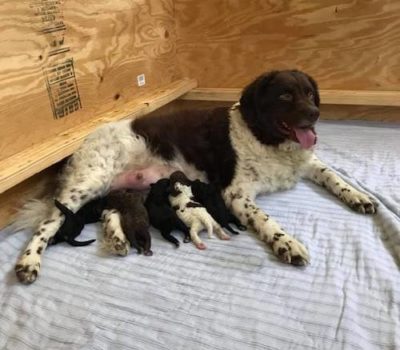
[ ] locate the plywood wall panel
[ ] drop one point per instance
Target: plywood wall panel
(345, 44)
(110, 44)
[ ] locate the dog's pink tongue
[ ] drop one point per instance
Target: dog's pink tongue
(306, 137)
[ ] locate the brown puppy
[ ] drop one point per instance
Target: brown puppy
(134, 218)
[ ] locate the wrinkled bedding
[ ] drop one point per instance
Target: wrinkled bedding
(234, 295)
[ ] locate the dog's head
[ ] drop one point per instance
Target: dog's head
(282, 105)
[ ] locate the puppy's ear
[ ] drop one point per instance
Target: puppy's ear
(248, 101)
(316, 90)
(171, 190)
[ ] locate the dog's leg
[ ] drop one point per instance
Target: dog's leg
(73, 197)
(319, 173)
(284, 246)
(115, 241)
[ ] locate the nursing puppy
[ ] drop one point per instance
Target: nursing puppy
(161, 215)
(133, 219)
(211, 198)
(192, 213)
(264, 143)
(74, 223)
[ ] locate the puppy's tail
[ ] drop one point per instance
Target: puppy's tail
(230, 229)
(31, 214)
(63, 209)
(80, 243)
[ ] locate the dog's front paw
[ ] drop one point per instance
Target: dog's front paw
(27, 268)
(358, 201)
(289, 250)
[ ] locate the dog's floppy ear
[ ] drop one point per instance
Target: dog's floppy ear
(316, 90)
(248, 101)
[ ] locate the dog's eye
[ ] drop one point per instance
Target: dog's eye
(286, 97)
(310, 95)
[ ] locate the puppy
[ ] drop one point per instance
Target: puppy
(211, 198)
(192, 213)
(74, 223)
(161, 215)
(134, 218)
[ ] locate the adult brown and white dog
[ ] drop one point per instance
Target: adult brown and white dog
(262, 144)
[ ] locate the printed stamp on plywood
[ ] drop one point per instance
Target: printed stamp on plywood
(62, 88)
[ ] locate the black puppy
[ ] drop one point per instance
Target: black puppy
(74, 223)
(161, 215)
(210, 197)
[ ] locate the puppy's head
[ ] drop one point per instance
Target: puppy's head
(282, 105)
(179, 183)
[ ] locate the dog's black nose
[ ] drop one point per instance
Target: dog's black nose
(313, 114)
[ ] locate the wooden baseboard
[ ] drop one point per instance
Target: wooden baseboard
(333, 97)
(21, 166)
(328, 112)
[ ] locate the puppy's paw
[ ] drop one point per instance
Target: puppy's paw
(148, 253)
(221, 234)
(201, 246)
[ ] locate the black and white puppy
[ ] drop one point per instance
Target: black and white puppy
(192, 213)
(161, 215)
(211, 198)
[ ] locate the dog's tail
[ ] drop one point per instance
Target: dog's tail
(31, 214)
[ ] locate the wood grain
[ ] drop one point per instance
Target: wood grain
(24, 164)
(110, 43)
(344, 44)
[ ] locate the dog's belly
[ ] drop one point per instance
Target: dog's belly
(141, 179)
(141, 175)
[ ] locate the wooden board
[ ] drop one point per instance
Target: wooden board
(339, 97)
(24, 164)
(344, 44)
(328, 112)
(109, 43)
(37, 186)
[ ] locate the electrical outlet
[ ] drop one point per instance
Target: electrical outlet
(141, 80)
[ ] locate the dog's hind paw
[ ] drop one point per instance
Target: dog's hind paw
(116, 246)
(27, 269)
